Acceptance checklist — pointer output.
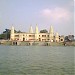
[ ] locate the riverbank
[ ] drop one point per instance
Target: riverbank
(28, 43)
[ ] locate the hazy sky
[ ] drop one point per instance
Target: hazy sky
(23, 13)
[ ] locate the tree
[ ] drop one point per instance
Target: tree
(43, 31)
(15, 31)
(18, 31)
(2, 36)
(5, 34)
(69, 38)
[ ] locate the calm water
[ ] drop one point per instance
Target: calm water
(36, 60)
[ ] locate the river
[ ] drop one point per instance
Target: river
(37, 60)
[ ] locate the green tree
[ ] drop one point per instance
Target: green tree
(43, 31)
(2, 36)
(5, 34)
(18, 31)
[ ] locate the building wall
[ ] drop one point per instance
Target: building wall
(31, 37)
(36, 36)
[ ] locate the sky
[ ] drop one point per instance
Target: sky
(25, 13)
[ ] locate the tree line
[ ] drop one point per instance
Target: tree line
(6, 34)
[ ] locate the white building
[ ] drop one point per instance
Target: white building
(36, 36)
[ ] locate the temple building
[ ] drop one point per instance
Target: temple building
(36, 36)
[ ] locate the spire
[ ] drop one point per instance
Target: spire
(51, 33)
(31, 29)
(12, 30)
(56, 35)
(12, 33)
(36, 29)
(51, 29)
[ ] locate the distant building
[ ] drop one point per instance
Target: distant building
(69, 38)
(36, 36)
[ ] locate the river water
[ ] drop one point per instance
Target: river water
(36, 60)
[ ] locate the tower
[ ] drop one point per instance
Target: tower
(12, 33)
(36, 29)
(36, 32)
(51, 34)
(31, 29)
(56, 37)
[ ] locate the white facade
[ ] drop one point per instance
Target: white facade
(36, 36)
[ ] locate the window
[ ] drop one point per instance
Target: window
(61, 39)
(16, 35)
(43, 39)
(43, 35)
(31, 35)
(47, 35)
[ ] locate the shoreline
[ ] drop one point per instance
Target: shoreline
(30, 43)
